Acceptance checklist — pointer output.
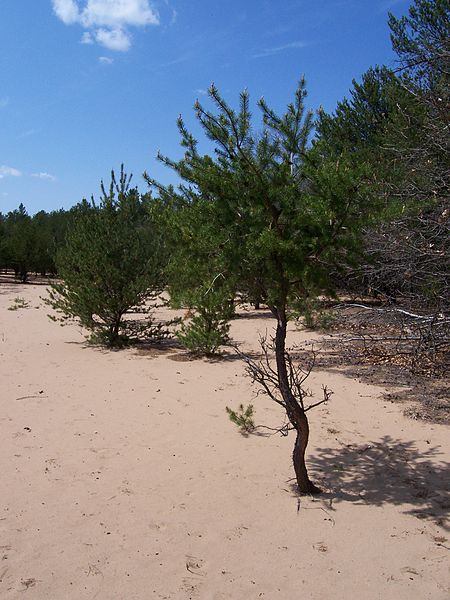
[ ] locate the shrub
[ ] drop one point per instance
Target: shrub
(208, 329)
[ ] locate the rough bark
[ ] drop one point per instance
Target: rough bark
(295, 411)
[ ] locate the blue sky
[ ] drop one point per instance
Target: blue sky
(88, 84)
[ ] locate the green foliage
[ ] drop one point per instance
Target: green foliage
(422, 42)
(278, 217)
(29, 244)
(111, 263)
(264, 213)
(208, 328)
(396, 124)
(196, 274)
(50, 231)
(19, 242)
(359, 122)
(243, 418)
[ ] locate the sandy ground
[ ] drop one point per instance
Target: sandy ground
(123, 479)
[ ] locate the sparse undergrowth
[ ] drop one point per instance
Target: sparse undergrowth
(379, 347)
(19, 303)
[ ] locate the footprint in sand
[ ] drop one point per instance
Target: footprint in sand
(191, 584)
(194, 565)
(28, 583)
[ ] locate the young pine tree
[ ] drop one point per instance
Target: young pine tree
(112, 261)
(282, 215)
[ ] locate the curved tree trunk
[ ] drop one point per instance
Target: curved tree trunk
(294, 409)
(298, 457)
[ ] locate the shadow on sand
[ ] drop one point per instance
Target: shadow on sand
(254, 314)
(387, 471)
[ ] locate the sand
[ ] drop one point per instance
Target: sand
(123, 479)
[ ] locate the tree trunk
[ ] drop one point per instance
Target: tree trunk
(295, 412)
(114, 331)
(298, 457)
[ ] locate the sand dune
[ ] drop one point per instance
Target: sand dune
(123, 479)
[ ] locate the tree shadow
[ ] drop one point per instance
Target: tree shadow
(8, 288)
(254, 314)
(152, 349)
(229, 355)
(387, 471)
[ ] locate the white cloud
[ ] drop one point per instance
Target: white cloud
(118, 13)
(107, 21)
(105, 60)
(277, 49)
(66, 10)
(9, 172)
(114, 39)
(4, 102)
(86, 38)
(44, 175)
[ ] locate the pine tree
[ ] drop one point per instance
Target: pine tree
(282, 215)
(112, 262)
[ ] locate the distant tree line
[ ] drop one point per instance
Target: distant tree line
(30, 244)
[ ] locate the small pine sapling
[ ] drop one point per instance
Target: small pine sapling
(208, 328)
(243, 418)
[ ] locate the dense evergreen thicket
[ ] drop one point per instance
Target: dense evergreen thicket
(396, 121)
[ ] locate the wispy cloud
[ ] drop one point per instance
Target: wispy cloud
(9, 172)
(105, 60)
(201, 92)
(27, 133)
(45, 176)
(388, 4)
(107, 22)
(173, 13)
(176, 61)
(87, 38)
(4, 102)
(277, 49)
